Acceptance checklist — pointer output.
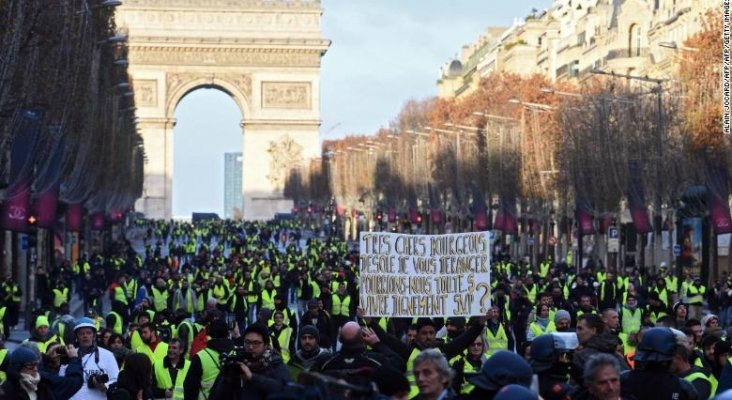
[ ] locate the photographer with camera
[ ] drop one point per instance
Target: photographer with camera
(261, 369)
(99, 365)
(55, 357)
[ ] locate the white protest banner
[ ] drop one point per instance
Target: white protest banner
(424, 275)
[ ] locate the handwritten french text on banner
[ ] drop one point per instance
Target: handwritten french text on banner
(424, 275)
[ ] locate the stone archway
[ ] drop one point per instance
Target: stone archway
(265, 54)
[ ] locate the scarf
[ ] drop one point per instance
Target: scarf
(542, 321)
(29, 383)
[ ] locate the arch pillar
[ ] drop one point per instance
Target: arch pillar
(157, 195)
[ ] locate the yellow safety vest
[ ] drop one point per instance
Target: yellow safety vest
(161, 350)
(209, 371)
(252, 296)
(341, 307)
(713, 383)
(131, 287)
(191, 335)
(538, 330)
(284, 341)
(3, 354)
(544, 269)
(164, 381)
(219, 292)
(695, 294)
(60, 297)
(189, 301)
(672, 283)
(120, 295)
(118, 328)
(496, 343)
(268, 299)
(632, 320)
(43, 346)
(468, 369)
(160, 299)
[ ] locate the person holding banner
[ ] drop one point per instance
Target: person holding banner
(426, 339)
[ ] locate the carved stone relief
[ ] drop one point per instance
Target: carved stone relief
(174, 82)
(146, 92)
(286, 95)
(150, 55)
(285, 155)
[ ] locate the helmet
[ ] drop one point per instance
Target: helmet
(84, 323)
(658, 344)
(542, 353)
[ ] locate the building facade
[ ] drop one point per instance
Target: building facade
(574, 37)
(233, 200)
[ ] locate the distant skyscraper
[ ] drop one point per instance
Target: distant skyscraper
(232, 185)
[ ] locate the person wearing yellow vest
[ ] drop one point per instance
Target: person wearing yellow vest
(152, 346)
(705, 383)
(221, 292)
(3, 362)
(631, 316)
(60, 295)
(469, 364)
(185, 298)
(41, 334)
(426, 339)
(310, 353)
(170, 373)
(340, 311)
(205, 367)
(251, 290)
(117, 318)
(120, 291)
(160, 296)
(497, 334)
(266, 298)
(283, 337)
(542, 325)
(695, 297)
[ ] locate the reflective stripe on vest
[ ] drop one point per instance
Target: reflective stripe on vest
(252, 296)
(162, 378)
(341, 307)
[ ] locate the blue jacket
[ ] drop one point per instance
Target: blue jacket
(63, 387)
(725, 378)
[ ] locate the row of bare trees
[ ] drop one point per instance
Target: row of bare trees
(65, 95)
(538, 146)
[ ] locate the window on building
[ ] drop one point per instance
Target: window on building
(634, 41)
(574, 69)
(581, 39)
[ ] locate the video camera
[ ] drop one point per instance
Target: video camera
(229, 361)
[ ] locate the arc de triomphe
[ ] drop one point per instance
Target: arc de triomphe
(264, 53)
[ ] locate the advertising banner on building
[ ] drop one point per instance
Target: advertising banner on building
(424, 275)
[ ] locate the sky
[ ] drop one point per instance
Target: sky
(383, 53)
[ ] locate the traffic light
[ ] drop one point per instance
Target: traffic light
(32, 220)
(379, 215)
(419, 219)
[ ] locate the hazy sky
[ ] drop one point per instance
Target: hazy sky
(384, 52)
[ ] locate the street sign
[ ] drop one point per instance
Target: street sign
(531, 241)
(613, 240)
(677, 250)
(24, 242)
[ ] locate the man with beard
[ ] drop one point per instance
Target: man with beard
(497, 335)
(317, 318)
(154, 348)
(310, 353)
(262, 373)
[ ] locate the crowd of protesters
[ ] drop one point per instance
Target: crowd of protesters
(232, 310)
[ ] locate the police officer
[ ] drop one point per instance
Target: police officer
(652, 378)
(552, 366)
